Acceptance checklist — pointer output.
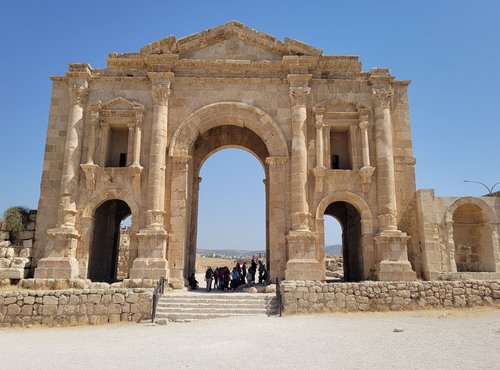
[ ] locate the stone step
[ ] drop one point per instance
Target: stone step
(187, 317)
(197, 306)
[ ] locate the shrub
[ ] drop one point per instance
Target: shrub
(15, 220)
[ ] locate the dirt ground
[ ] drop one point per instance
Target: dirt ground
(432, 339)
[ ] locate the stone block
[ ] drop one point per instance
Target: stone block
(50, 300)
(13, 309)
(49, 309)
(5, 263)
(10, 273)
(20, 263)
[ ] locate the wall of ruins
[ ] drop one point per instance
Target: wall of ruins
(313, 297)
(440, 235)
(16, 256)
(74, 307)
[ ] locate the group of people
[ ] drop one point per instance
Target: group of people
(224, 279)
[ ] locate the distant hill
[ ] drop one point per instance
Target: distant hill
(237, 253)
(330, 250)
(333, 250)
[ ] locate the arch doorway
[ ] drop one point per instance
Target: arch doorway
(473, 241)
(233, 233)
(352, 251)
(104, 251)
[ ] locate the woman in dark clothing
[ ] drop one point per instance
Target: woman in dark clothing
(193, 283)
(208, 278)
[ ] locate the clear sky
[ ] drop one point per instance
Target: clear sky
(449, 49)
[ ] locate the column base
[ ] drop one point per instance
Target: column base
(151, 263)
(149, 268)
(395, 271)
(302, 263)
(57, 268)
(393, 253)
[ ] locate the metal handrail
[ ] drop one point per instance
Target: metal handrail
(157, 292)
(278, 297)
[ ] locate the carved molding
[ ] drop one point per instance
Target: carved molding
(382, 96)
(276, 161)
(298, 95)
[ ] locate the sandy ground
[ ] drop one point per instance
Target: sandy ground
(455, 339)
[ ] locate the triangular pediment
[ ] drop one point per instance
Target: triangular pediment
(232, 40)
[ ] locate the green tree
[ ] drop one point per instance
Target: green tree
(15, 220)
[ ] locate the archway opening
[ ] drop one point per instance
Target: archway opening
(104, 252)
(229, 215)
(472, 238)
(334, 264)
(352, 253)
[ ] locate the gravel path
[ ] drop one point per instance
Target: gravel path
(451, 339)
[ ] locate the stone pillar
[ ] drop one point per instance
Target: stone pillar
(136, 152)
(60, 252)
(386, 182)
(319, 141)
(179, 220)
(366, 170)
(130, 142)
(302, 261)
(276, 186)
(151, 262)
(298, 203)
(390, 242)
(96, 119)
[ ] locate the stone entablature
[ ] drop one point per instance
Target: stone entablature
(132, 137)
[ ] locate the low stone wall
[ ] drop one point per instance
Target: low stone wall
(74, 307)
(313, 296)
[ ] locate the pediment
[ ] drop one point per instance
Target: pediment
(120, 103)
(232, 40)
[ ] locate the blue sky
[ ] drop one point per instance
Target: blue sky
(449, 49)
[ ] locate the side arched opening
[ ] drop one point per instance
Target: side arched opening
(473, 240)
(105, 245)
(352, 250)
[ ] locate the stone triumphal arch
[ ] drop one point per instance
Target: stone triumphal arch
(130, 139)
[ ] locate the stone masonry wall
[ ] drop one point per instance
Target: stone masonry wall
(74, 307)
(312, 296)
(15, 259)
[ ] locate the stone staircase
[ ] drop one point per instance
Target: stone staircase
(192, 306)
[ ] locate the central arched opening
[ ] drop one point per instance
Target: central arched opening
(109, 233)
(229, 212)
(349, 221)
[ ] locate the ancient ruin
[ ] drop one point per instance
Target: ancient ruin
(130, 139)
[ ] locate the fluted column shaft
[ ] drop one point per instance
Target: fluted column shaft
(298, 204)
(319, 141)
(156, 179)
(363, 126)
(72, 153)
(386, 183)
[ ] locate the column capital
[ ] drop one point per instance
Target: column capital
(95, 113)
(276, 161)
(161, 94)
(161, 78)
(363, 125)
(298, 95)
(382, 96)
(79, 91)
(139, 112)
(131, 125)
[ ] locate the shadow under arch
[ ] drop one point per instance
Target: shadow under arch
(87, 226)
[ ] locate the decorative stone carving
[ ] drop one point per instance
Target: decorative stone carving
(79, 93)
(161, 94)
(382, 96)
(298, 95)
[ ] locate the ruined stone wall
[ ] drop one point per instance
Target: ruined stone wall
(74, 307)
(16, 256)
(312, 296)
